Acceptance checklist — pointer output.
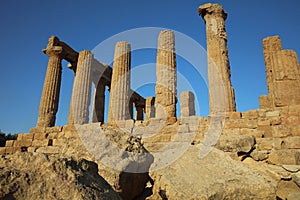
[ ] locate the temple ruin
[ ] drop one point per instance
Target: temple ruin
(269, 134)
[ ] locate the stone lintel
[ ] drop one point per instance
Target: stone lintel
(212, 9)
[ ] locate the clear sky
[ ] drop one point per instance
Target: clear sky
(26, 26)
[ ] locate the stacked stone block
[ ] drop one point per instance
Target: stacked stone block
(187, 104)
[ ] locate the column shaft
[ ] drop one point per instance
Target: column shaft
(187, 104)
(81, 93)
(99, 102)
(221, 92)
(166, 79)
(120, 84)
(50, 95)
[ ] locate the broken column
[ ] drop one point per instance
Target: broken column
(166, 91)
(50, 95)
(221, 92)
(187, 104)
(81, 93)
(120, 84)
(283, 75)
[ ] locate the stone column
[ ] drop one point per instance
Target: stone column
(187, 104)
(150, 109)
(221, 92)
(50, 95)
(120, 84)
(139, 112)
(283, 74)
(81, 93)
(166, 91)
(99, 102)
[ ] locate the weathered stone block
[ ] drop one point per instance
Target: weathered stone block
(40, 136)
(59, 142)
(278, 143)
(2, 150)
(263, 122)
(53, 135)
(12, 150)
(275, 113)
(292, 142)
(31, 149)
(264, 143)
(240, 123)
(251, 114)
(40, 143)
(9, 143)
(283, 157)
(295, 130)
(264, 102)
(55, 129)
(48, 150)
(234, 115)
(248, 131)
(37, 130)
(23, 143)
(267, 130)
(236, 143)
(281, 131)
(259, 155)
(275, 120)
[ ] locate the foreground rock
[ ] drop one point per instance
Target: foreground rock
(37, 176)
(215, 176)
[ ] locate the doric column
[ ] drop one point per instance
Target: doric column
(99, 102)
(139, 112)
(50, 95)
(221, 93)
(187, 104)
(150, 108)
(166, 91)
(81, 93)
(120, 84)
(283, 74)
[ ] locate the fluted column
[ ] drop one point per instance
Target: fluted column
(166, 91)
(283, 74)
(120, 84)
(81, 93)
(187, 104)
(50, 95)
(99, 102)
(221, 92)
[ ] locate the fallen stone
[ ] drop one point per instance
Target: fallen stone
(282, 157)
(236, 143)
(291, 168)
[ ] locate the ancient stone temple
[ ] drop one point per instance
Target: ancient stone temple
(166, 83)
(221, 92)
(283, 75)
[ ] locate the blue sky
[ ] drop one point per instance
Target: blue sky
(27, 25)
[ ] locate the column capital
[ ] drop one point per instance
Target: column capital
(212, 9)
(54, 51)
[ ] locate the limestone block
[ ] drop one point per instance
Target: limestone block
(53, 135)
(234, 115)
(296, 130)
(60, 142)
(259, 155)
(23, 143)
(281, 131)
(292, 142)
(31, 149)
(263, 122)
(12, 150)
(293, 196)
(264, 143)
(37, 130)
(275, 113)
(48, 150)
(248, 131)
(2, 150)
(266, 129)
(240, 123)
(236, 143)
(275, 120)
(9, 143)
(40, 136)
(290, 120)
(251, 114)
(40, 143)
(291, 168)
(265, 102)
(278, 143)
(283, 157)
(297, 157)
(55, 129)
(286, 189)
